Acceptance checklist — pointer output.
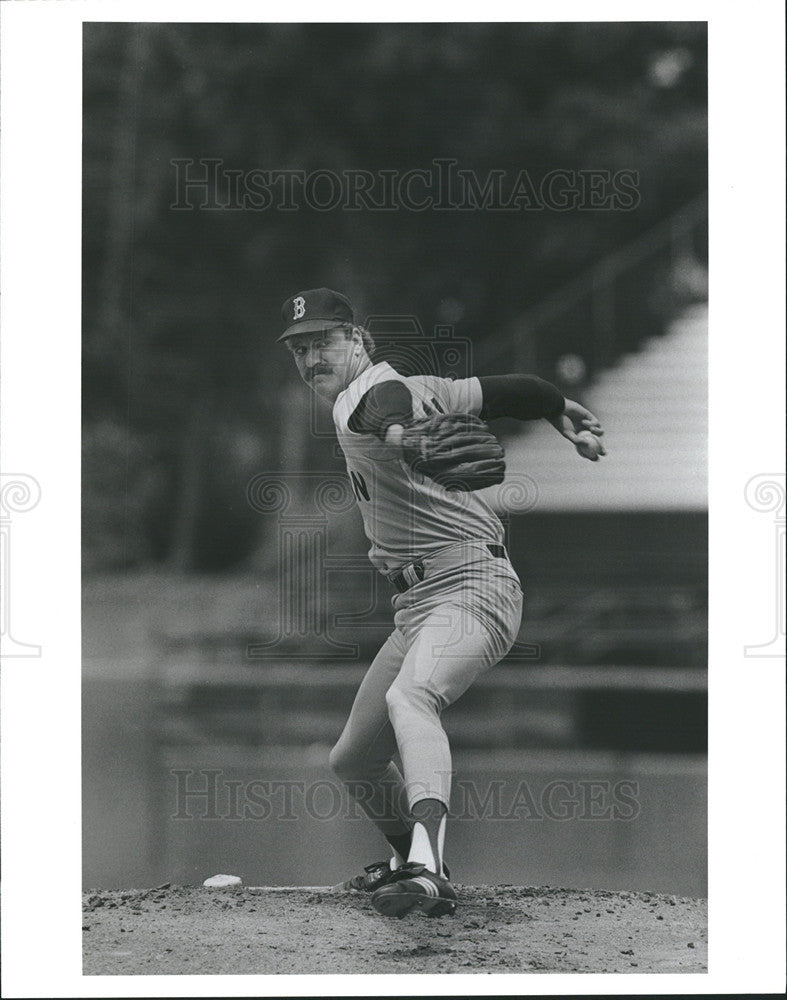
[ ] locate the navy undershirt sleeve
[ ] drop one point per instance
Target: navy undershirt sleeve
(524, 397)
(384, 404)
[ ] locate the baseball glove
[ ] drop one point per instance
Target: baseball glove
(456, 450)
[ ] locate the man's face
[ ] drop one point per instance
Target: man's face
(324, 359)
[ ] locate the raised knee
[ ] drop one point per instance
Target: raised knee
(412, 696)
(342, 761)
(395, 697)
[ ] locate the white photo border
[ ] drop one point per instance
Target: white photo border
(40, 352)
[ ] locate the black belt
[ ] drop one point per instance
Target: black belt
(407, 577)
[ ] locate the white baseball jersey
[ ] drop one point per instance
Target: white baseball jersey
(406, 515)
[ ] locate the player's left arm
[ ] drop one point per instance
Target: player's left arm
(578, 425)
(527, 397)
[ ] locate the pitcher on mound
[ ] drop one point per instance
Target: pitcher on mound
(417, 449)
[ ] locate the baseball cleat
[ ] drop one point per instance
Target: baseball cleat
(374, 875)
(413, 886)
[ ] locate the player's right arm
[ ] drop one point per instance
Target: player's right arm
(383, 411)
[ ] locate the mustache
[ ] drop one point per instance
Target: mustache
(318, 370)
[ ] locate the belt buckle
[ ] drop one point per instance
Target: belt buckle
(413, 573)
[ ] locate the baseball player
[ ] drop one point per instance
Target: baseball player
(417, 450)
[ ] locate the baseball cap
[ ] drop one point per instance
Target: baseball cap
(314, 310)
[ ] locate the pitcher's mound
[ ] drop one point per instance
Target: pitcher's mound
(192, 930)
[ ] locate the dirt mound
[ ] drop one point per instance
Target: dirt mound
(185, 929)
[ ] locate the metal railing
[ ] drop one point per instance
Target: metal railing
(615, 304)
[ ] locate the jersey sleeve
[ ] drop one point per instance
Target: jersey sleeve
(525, 397)
(386, 403)
(461, 395)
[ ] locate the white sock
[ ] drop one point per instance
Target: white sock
(421, 849)
(441, 842)
(396, 861)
